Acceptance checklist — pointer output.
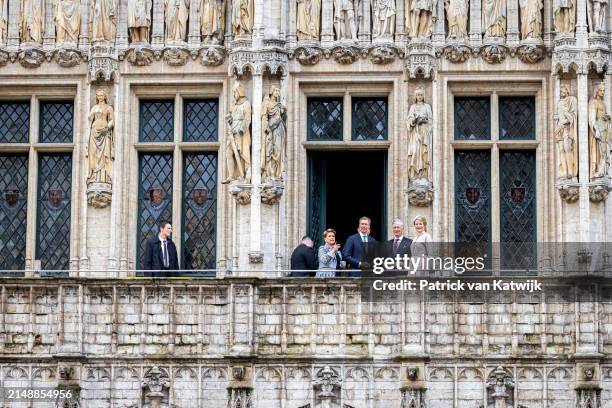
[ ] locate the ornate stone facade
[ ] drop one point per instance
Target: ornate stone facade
(237, 340)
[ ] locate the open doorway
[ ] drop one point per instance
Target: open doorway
(344, 186)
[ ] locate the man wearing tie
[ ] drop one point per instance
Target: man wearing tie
(354, 245)
(160, 252)
(399, 244)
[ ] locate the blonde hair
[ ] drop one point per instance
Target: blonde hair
(328, 231)
(422, 219)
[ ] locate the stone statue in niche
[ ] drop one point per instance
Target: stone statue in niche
(238, 143)
(273, 135)
(420, 126)
(31, 21)
(139, 20)
(212, 21)
(177, 13)
(599, 132)
(566, 136)
(420, 16)
(308, 19)
(242, 17)
(564, 14)
(457, 18)
(531, 19)
(597, 15)
(345, 22)
(383, 19)
(103, 21)
(67, 22)
(494, 18)
(100, 152)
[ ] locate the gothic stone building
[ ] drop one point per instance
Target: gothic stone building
(113, 117)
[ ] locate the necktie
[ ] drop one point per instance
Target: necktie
(165, 254)
(395, 246)
(364, 238)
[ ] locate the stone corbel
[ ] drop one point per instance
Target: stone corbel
(494, 53)
(241, 192)
(569, 191)
(271, 191)
(598, 189)
(456, 52)
(212, 55)
(140, 55)
(32, 57)
(382, 55)
(175, 56)
(69, 57)
(420, 193)
(531, 53)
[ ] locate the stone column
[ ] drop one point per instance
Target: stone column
(157, 29)
(475, 22)
(327, 20)
(400, 23)
(363, 29)
(122, 31)
(581, 25)
(547, 26)
(49, 32)
(438, 30)
(258, 32)
(583, 153)
(229, 35)
(255, 253)
(512, 25)
(194, 36)
(13, 25)
(84, 31)
(292, 31)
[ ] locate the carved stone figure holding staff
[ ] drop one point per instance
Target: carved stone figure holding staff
(273, 135)
(103, 20)
(420, 127)
(177, 13)
(100, 152)
(420, 17)
(212, 21)
(599, 133)
(139, 20)
(238, 143)
(31, 21)
(564, 13)
(457, 18)
(565, 135)
(67, 21)
(308, 19)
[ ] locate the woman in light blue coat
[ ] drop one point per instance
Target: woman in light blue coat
(329, 255)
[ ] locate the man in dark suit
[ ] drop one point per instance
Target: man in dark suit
(399, 244)
(357, 247)
(302, 258)
(160, 253)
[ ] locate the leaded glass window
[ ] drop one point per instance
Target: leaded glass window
(473, 196)
(14, 122)
(199, 211)
(518, 208)
(517, 118)
(154, 196)
(200, 120)
(53, 221)
(156, 121)
(472, 118)
(13, 210)
(325, 119)
(56, 121)
(369, 119)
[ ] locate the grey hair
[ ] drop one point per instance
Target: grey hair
(397, 221)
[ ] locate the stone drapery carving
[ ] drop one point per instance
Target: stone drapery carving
(176, 13)
(564, 13)
(599, 129)
(212, 21)
(494, 18)
(103, 21)
(308, 19)
(531, 19)
(346, 14)
(100, 152)
(31, 22)
(273, 135)
(67, 21)
(457, 18)
(420, 16)
(139, 20)
(565, 135)
(597, 15)
(242, 17)
(238, 145)
(383, 19)
(419, 137)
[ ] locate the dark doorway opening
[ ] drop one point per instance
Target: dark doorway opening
(344, 186)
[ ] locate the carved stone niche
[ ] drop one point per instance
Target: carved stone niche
(69, 384)
(155, 389)
(327, 387)
(413, 397)
(500, 389)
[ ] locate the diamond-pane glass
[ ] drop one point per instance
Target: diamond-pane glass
(154, 197)
(199, 211)
(518, 208)
(472, 118)
(516, 118)
(325, 119)
(13, 210)
(56, 120)
(369, 119)
(200, 121)
(54, 197)
(472, 196)
(14, 122)
(157, 121)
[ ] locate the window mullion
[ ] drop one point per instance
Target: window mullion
(177, 209)
(494, 117)
(347, 117)
(495, 204)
